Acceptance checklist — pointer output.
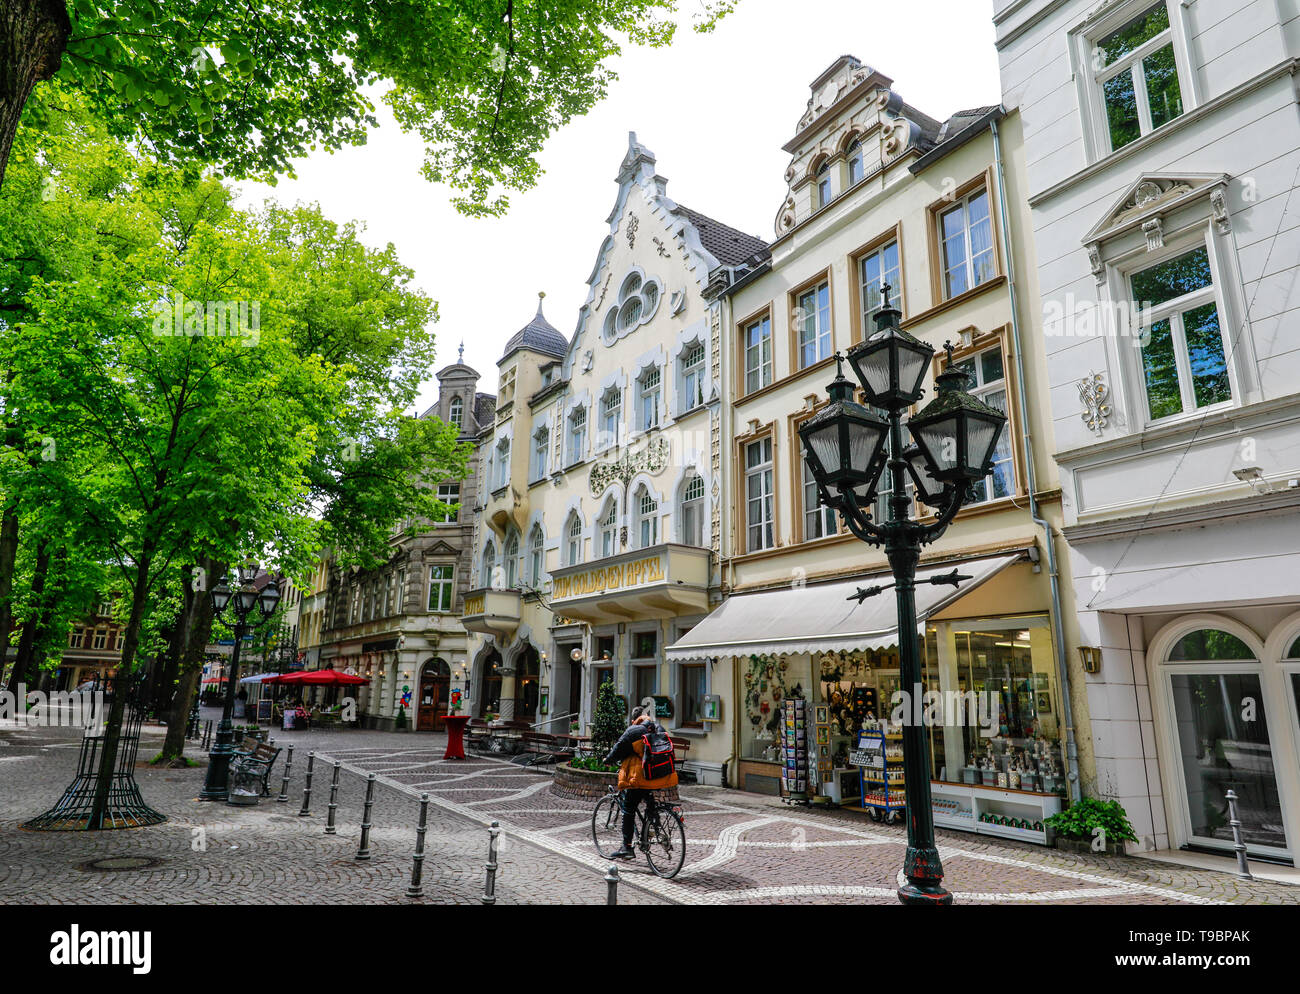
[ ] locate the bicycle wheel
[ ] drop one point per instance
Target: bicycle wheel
(665, 841)
(607, 826)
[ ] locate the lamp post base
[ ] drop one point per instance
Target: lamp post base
(216, 787)
(924, 892)
(924, 874)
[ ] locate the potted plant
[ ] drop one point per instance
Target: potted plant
(1090, 822)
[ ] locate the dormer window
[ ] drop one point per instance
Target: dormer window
(456, 412)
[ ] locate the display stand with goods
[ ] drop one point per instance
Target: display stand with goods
(795, 732)
(879, 758)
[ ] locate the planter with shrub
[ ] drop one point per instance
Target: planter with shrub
(1076, 827)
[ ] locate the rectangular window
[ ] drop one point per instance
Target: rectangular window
(758, 354)
(875, 269)
(440, 588)
(987, 379)
(693, 378)
(1138, 76)
(1184, 367)
(966, 232)
(758, 495)
(605, 647)
(101, 637)
(76, 639)
(449, 494)
(813, 319)
(818, 521)
(399, 605)
(650, 399)
(577, 435)
(503, 464)
(646, 681)
(693, 691)
(388, 594)
(644, 645)
(855, 163)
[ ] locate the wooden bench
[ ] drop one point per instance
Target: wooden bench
(255, 759)
(680, 748)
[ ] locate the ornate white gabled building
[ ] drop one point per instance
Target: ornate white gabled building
(601, 504)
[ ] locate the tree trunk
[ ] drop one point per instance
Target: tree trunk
(196, 622)
(33, 36)
(25, 654)
(121, 684)
(8, 557)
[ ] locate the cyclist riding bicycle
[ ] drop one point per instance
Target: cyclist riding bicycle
(631, 777)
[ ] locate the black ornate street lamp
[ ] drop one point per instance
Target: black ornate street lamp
(955, 436)
(217, 785)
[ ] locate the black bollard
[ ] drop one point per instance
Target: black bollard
(611, 881)
(284, 784)
(363, 851)
(1243, 868)
(490, 887)
(417, 868)
(334, 803)
(306, 789)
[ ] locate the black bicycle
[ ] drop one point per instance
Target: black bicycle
(660, 831)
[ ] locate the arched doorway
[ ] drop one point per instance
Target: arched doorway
(435, 686)
(527, 684)
(489, 697)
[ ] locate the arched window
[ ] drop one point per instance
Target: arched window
(692, 395)
(609, 528)
(573, 540)
(502, 464)
(692, 511)
(854, 153)
(648, 389)
(611, 416)
(577, 435)
(511, 563)
(647, 514)
(541, 450)
(456, 412)
(824, 184)
(535, 546)
(489, 565)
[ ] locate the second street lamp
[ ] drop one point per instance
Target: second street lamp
(955, 436)
(216, 787)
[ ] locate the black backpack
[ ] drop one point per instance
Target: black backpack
(657, 759)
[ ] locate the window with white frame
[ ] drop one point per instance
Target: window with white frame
(101, 638)
(885, 481)
(813, 320)
(76, 639)
(647, 517)
(692, 511)
(577, 435)
(854, 153)
(502, 466)
(818, 521)
(1136, 71)
(442, 578)
(506, 391)
(449, 494)
(573, 540)
(759, 523)
(608, 526)
(388, 594)
(488, 570)
(648, 391)
(541, 452)
(876, 268)
(611, 416)
(536, 547)
(1184, 366)
(399, 603)
(987, 379)
(758, 354)
(510, 560)
(456, 412)
(692, 364)
(966, 231)
(824, 192)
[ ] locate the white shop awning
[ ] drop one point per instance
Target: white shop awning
(820, 618)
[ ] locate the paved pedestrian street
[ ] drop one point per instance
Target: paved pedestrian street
(741, 848)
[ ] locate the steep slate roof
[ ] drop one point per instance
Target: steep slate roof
(485, 405)
(539, 335)
(960, 121)
(725, 243)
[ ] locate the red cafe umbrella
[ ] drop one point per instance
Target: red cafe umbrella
(317, 678)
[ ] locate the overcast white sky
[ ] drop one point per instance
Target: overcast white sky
(715, 109)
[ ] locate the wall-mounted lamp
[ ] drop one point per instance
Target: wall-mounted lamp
(1090, 657)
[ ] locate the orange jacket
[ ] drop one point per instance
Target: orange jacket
(632, 776)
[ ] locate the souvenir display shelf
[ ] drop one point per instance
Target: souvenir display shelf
(879, 758)
(796, 732)
(1011, 814)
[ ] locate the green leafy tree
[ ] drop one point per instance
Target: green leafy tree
(610, 718)
(253, 86)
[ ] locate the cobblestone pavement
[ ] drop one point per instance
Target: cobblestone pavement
(741, 848)
(217, 854)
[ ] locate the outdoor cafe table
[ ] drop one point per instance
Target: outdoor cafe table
(581, 743)
(455, 736)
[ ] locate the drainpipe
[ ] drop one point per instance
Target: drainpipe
(1053, 573)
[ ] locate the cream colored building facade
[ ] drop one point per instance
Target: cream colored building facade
(601, 510)
(880, 193)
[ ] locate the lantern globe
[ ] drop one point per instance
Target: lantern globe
(842, 441)
(956, 433)
(891, 363)
(245, 599)
(221, 594)
(269, 598)
(929, 491)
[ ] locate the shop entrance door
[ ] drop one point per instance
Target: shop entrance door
(435, 682)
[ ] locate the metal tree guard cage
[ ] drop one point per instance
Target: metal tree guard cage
(126, 808)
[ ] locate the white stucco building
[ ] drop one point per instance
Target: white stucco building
(1162, 143)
